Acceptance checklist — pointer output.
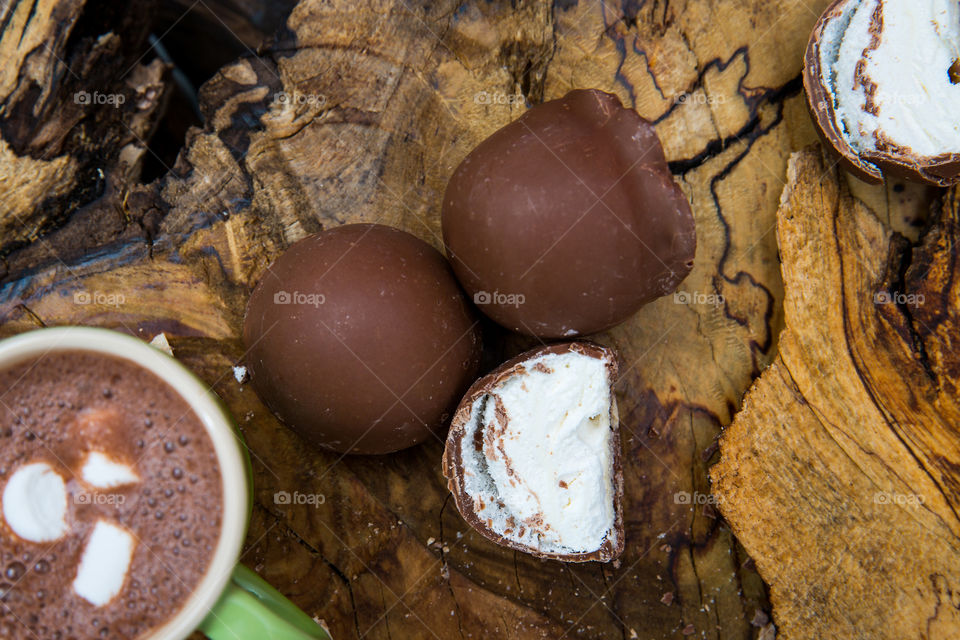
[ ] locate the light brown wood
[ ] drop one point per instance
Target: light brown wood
(841, 474)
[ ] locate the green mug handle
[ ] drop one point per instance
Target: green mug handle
(250, 609)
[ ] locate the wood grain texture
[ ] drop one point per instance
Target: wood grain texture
(840, 474)
(359, 111)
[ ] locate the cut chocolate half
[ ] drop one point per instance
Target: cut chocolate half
(882, 84)
(533, 454)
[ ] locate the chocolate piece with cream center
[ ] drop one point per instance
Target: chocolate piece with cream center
(533, 454)
(882, 86)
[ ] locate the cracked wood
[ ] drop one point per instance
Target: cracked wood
(841, 474)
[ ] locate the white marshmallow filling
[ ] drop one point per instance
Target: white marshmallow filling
(537, 458)
(887, 67)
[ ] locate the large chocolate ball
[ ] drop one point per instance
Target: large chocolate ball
(360, 339)
(567, 221)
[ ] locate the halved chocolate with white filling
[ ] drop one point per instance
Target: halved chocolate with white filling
(883, 81)
(533, 454)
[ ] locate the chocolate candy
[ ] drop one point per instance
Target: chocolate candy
(567, 221)
(360, 339)
(533, 454)
(883, 80)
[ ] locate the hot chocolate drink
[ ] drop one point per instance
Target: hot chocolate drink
(110, 497)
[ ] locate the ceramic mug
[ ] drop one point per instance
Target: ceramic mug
(230, 602)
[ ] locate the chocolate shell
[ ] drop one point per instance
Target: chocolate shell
(567, 221)
(468, 438)
(360, 339)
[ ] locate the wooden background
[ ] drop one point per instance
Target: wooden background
(324, 112)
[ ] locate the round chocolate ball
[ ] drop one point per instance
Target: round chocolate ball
(360, 339)
(567, 221)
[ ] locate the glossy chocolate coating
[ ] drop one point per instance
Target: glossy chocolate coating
(567, 221)
(377, 363)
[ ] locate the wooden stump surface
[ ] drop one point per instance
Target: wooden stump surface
(359, 111)
(841, 473)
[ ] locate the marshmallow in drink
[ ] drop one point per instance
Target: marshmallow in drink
(102, 472)
(35, 503)
(105, 562)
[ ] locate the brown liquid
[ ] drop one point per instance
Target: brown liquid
(55, 410)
